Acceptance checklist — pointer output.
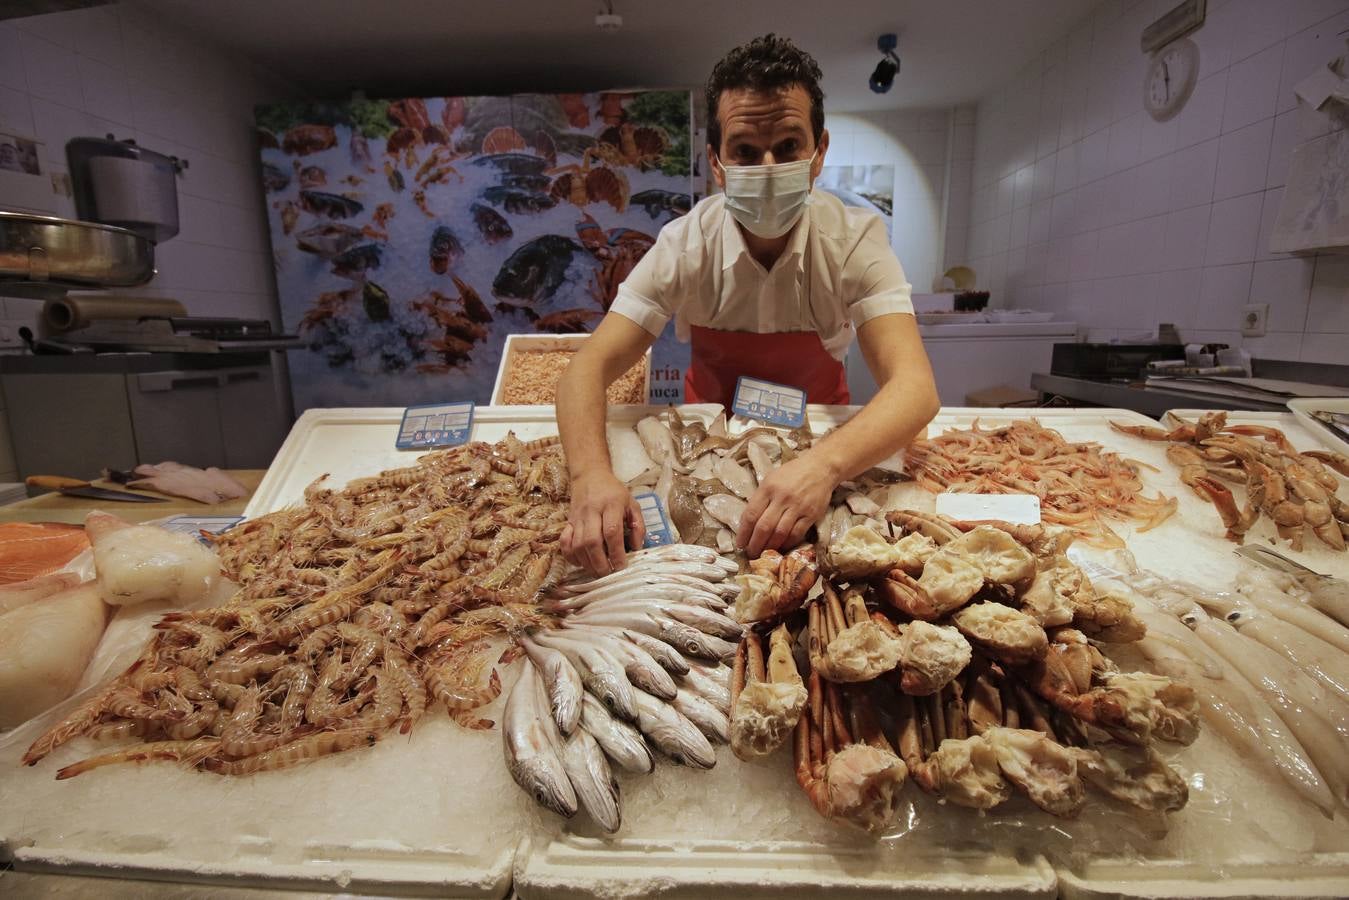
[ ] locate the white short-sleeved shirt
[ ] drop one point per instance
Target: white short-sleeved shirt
(837, 272)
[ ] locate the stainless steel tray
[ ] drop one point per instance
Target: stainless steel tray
(46, 249)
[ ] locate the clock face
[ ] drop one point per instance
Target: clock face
(1170, 79)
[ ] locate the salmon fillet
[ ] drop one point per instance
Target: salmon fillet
(28, 550)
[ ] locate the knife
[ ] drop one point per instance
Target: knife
(74, 487)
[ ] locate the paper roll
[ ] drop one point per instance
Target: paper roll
(71, 312)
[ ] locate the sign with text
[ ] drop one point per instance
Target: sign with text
(653, 517)
(435, 425)
(776, 404)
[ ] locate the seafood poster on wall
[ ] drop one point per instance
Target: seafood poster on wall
(410, 237)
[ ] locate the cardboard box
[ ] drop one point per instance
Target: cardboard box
(1001, 397)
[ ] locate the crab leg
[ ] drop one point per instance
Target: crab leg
(766, 699)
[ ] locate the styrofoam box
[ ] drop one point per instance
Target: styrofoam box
(1303, 409)
(434, 812)
(518, 343)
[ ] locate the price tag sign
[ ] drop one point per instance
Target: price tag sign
(195, 525)
(435, 425)
(653, 517)
(776, 404)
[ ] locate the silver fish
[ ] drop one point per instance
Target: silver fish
(673, 734)
(711, 684)
(725, 540)
(705, 467)
(675, 553)
(601, 674)
(670, 659)
(736, 477)
(658, 586)
(664, 482)
(711, 721)
(617, 738)
(642, 670)
(726, 509)
(684, 638)
(592, 780)
(531, 743)
(705, 571)
(562, 681)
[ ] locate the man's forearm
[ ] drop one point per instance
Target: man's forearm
(581, 407)
(889, 422)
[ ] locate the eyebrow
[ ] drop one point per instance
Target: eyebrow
(751, 135)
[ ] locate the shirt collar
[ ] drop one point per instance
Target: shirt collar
(733, 242)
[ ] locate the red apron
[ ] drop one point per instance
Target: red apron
(795, 358)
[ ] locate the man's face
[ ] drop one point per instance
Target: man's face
(760, 129)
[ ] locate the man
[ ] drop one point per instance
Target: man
(769, 280)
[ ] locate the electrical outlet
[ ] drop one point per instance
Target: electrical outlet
(1253, 319)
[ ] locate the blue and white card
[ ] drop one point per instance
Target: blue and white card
(195, 525)
(653, 517)
(435, 425)
(776, 404)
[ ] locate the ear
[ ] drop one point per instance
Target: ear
(715, 168)
(820, 150)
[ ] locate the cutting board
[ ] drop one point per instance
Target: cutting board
(56, 507)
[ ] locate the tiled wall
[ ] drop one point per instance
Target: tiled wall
(1084, 205)
(916, 144)
(116, 69)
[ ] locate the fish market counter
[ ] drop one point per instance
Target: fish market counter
(54, 507)
(436, 812)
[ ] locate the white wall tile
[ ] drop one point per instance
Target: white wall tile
(1323, 348)
(1003, 198)
(1021, 186)
(1156, 139)
(1328, 307)
(1284, 284)
(1065, 169)
(1252, 87)
(55, 124)
(1269, 214)
(105, 92)
(1178, 297)
(1124, 138)
(1225, 290)
(1020, 227)
(1185, 239)
(1062, 216)
(1192, 174)
(16, 112)
(1042, 180)
(1243, 160)
(11, 59)
(1202, 117)
(1281, 149)
(1232, 231)
(1119, 197)
(1305, 13)
(1092, 157)
(1274, 345)
(1214, 39)
(1258, 24)
(1154, 187)
(1040, 217)
(52, 71)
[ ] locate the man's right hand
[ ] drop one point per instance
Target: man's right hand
(602, 512)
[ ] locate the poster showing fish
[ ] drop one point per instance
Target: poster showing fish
(411, 236)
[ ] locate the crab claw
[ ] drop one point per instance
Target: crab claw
(776, 585)
(766, 702)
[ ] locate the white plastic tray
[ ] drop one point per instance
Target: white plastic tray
(1303, 409)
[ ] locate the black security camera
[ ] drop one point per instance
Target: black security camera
(886, 70)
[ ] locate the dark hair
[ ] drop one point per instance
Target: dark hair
(764, 64)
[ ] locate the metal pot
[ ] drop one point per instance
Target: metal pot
(80, 254)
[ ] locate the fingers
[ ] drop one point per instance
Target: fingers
(611, 537)
(636, 525)
(749, 519)
(770, 528)
(565, 544)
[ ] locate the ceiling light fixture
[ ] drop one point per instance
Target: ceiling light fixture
(886, 70)
(607, 19)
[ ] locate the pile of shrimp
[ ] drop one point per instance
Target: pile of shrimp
(355, 612)
(1080, 486)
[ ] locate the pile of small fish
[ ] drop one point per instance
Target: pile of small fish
(1080, 486)
(619, 665)
(1268, 668)
(354, 613)
(1295, 490)
(962, 654)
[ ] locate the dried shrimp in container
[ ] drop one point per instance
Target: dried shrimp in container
(1080, 486)
(532, 379)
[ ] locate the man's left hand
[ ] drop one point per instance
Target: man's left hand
(789, 501)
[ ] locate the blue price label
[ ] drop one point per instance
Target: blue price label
(653, 517)
(195, 525)
(776, 404)
(435, 425)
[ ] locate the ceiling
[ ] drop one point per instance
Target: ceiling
(952, 51)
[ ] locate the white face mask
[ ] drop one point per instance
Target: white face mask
(768, 200)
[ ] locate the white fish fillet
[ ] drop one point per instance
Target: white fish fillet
(139, 563)
(13, 596)
(44, 649)
(203, 485)
(725, 509)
